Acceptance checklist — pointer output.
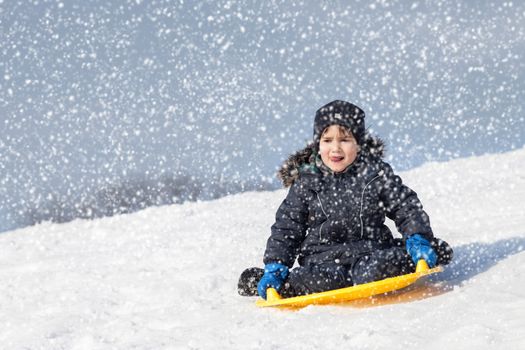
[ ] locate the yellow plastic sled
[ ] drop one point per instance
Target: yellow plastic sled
(349, 293)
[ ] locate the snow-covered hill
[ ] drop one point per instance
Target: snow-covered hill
(165, 278)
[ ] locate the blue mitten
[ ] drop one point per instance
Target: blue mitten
(274, 276)
(419, 248)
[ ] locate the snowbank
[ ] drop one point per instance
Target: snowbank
(165, 278)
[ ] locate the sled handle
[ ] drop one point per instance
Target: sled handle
(422, 266)
(272, 294)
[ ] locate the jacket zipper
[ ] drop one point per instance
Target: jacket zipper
(361, 209)
(322, 209)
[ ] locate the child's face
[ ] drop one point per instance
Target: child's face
(338, 148)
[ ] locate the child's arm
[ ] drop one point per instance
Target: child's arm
(289, 228)
(403, 206)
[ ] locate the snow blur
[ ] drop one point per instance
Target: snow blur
(110, 107)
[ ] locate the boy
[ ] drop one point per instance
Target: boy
(332, 219)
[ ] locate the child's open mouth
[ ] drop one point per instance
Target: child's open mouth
(336, 159)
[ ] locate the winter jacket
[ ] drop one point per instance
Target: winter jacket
(337, 218)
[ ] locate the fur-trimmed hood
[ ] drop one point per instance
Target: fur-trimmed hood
(304, 160)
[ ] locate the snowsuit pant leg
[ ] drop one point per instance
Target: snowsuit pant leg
(310, 279)
(381, 264)
(374, 266)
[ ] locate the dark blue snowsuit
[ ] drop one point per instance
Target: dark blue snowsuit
(333, 223)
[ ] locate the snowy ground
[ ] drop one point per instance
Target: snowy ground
(165, 278)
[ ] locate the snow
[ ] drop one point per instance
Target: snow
(165, 277)
(96, 94)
